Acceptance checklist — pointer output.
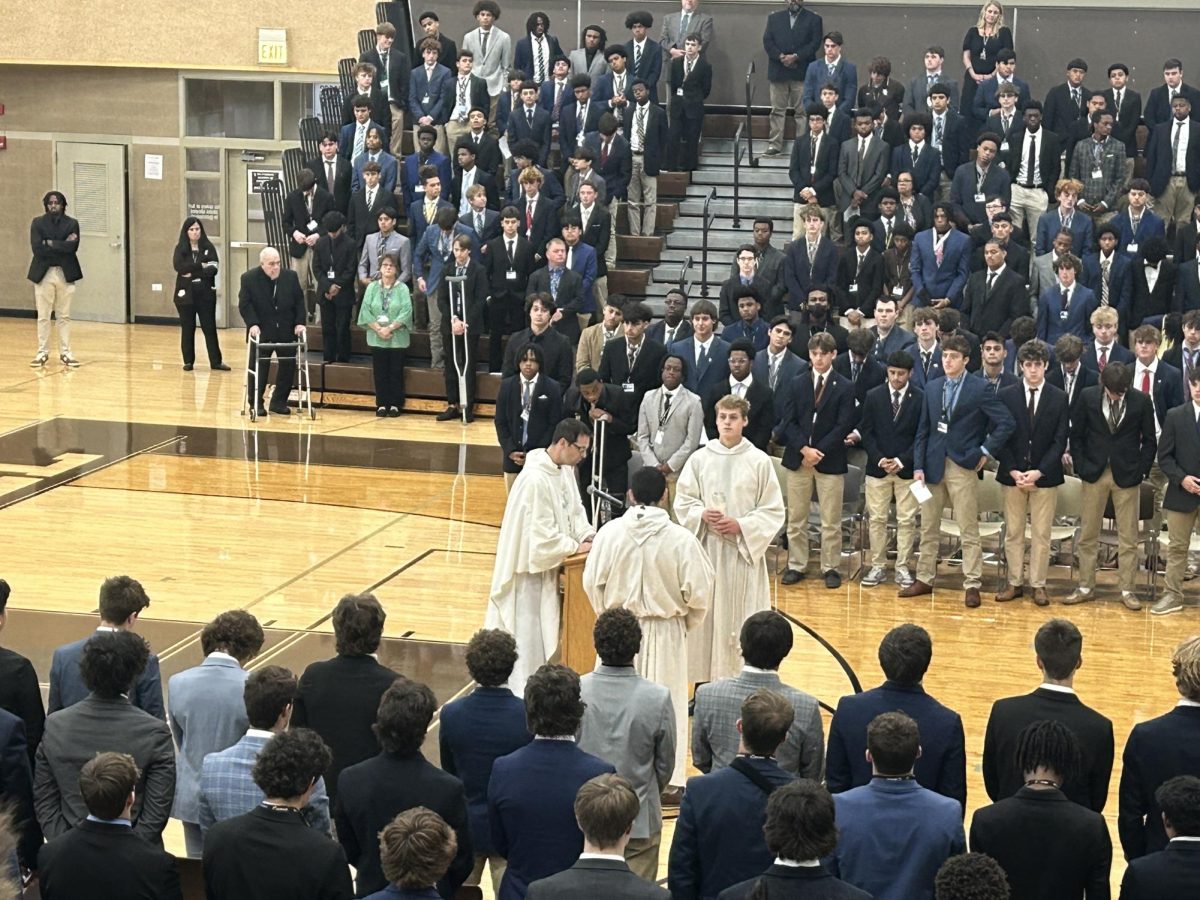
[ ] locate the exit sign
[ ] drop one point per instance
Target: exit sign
(272, 47)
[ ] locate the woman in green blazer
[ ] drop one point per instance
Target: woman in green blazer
(387, 315)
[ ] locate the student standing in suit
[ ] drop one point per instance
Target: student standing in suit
(483, 223)
(974, 182)
(809, 261)
(415, 851)
(1065, 217)
(364, 81)
(427, 92)
(422, 212)
(860, 276)
(862, 167)
(1173, 163)
(335, 263)
(122, 600)
(670, 424)
(817, 412)
(791, 40)
(1099, 164)
(645, 55)
(1126, 106)
(1038, 822)
(918, 157)
(859, 366)
(904, 655)
(332, 171)
(612, 160)
(606, 808)
(508, 261)
(462, 307)
(813, 170)
(1138, 224)
(887, 427)
(19, 690)
(1058, 645)
(469, 175)
(1179, 461)
(492, 47)
(1162, 383)
(392, 68)
(207, 712)
(366, 205)
(741, 383)
(581, 259)
(941, 260)
(1098, 353)
(1066, 102)
(432, 26)
(559, 353)
(962, 425)
(338, 697)
(1174, 871)
(462, 93)
(987, 97)
(103, 858)
(705, 356)
(303, 210)
(1030, 470)
(1107, 273)
(352, 138)
(690, 82)
(997, 295)
(718, 839)
(1113, 446)
(1070, 374)
(528, 407)
(777, 365)
(270, 851)
(24, 836)
(1034, 165)
(588, 58)
(832, 68)
(539, 211)
(425, 155)
(634, 361)
(1065, 307)
(1158, 103)
(578, 117)
(647, 128)
(1154, 279)
(535, 52)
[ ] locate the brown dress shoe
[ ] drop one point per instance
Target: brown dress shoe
(972, 598)
(916, 589)
(1040, 598)
(672, 796)
(1010, 592)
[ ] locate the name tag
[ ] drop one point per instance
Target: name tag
(979, 198)
(1063, 315)
(511, 274)
(1131, 248)
(898, 291)
(853, 287)
(1097, 173)
(943, 427)
(658, 438)
(627, 387)
(1003, 147)
(425, 100)
(331, 274)
(312, 225)
(678, 92)
(524, 415)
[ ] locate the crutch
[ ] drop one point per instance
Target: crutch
(304, 376)
(252, 347)
(458, 310)
(599, 504)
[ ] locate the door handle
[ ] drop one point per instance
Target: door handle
(117, 244)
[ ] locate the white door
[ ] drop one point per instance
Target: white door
(93, 178)
(246, 225)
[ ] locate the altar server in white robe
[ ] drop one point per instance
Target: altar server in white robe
(657, 570)
(544, 523)
(728, 496)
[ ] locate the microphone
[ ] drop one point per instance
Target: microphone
(604, 495)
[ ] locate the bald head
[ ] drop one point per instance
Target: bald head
(268, 260)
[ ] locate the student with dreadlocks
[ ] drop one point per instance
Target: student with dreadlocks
(1049, 847)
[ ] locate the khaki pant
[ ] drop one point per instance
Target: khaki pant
(799, 498)
(1175, 202)
(509, 478)
(610, 252)
(455, 130)
(642, 855)
(880, 492)
(905, 317)
(785, 95)
(53, 295)
(496, 866)
(959, 485)
(1125, 509)
(396, 136)
(1158, 481)
(942, 194)
(827, 212)
(437, 352)
(1179, 526)
(1028, 204)
(643, 199)
(1039, 504)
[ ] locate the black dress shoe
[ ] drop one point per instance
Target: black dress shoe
(260, 411)
(833, 580)
(393, 411)
(470, 417)
(281, 410)
(792, 576)
(187, 367)
(380, 411)
(220, 367)
(450, 412)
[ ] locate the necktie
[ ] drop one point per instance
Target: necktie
(1174, 94)
(555, 278)
(308, 203)
(637, 58)
(887, 234)
(329, 177)
(462, 91)
(1069, 378)
(1032, 403)
(570, 257)
(541, 63)
(1064, 298)
(1145, 381)
(812, 151)
(1117, 101)
(819, 392)
(1031, 163)
(1104, 264)
(526, 402)
(949, 396)
(479, 223)
(529, 115)
(1175, 167)
(991, 280)
(509, 244)
(862, 152)
(640, 127)
(360, 140)
(430, 210)
(774, 378)
(666, 406)
(558, 95)
(1114, 416)
(578, 119)
(926, 357)
(831, 68)
(895, 405)
(459, 270)
(529, 216)
(855, 368)
(938, 126)
(1103, 360)
(632, 358)
(604, 152)
(916, 154)
(939, 252)
(483, 36)
(1076, 97)
(684, 21)
(1191, 361)
(475, 138)
(739, 389)
(370, 198)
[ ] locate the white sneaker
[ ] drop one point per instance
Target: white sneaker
(904, 577)
(873, 577)
(40, 359)
(1167, 605)
(68, 360)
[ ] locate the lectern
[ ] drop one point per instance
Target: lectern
(578, 619)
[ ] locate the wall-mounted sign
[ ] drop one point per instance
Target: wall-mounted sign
(272, 47)
(256, 179)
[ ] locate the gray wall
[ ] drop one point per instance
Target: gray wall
(1046, 36)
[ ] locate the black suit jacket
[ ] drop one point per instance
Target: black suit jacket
(1001, 775)
(106, 862)
(545, 412)
(595, 878)
(276, 307)
(296, 217)
(338, 699)
(984, 312)
(824, 427)
(597, 235)
(615, 169)
(647, 368)
(1158, 104)
(695, 89)
(1130, 451)
(867, 279)
(1148, 303)
(519, 129)
(266, 854)
(1187, 287)
(342, 175)
(475, 295)
(1049, 847)
(373, 792)
(1059, 111)
(398, 69)
(1156, 751)
(1038, 444)
(792, 883)
(546, 222)
(487, 152)
(496, 264)
(1084, 378)
(363, 221)
(656, 137)
(762, 411)
(883, 437)
(612, 400)
(336, 255)
(1173, 873)
(482, 178)
(556, 350)
(1179, 456)
(821, 176)
(1125, 128)
(21, 696)
(570, 295)
(782, 37)
(477, 95)
(1049, 151)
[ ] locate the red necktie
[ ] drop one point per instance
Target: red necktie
(1145, 381)
(1103, 358)
(528, 217)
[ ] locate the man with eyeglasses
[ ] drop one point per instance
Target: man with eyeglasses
(544, 523)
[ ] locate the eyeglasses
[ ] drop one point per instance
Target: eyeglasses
(582, 448)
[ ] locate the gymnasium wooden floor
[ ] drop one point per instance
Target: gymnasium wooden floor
(130, 465)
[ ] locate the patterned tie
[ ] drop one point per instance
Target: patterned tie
(360, 140)
(541, 63)
(462, 91)
(1117, 102)
(926, 358)
(684, 21)
(526, 402)
(895, 405)
(774, 377)
(637, 58)
(1103, 360)
(479, 223)
(1175, 167)
(640, 126)
(1114, 416)
(1077, 98)
(938, 126)
(939, 252)
(1104, 264)
(555, 278)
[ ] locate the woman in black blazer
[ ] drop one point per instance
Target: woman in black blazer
(195, 263)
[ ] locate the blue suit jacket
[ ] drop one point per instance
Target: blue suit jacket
(987, 98)
(755, 334)
(428, 262)
(926, 174)
(718, 838)
(568, 121)
(67, 688)
(918, 378)
(420, 87)
(416, 219)
(583, 261)
(1050, 324)
(699, 380)
(346, 137)
(531, 805)
(1151, 225)
(796, 275)
(963, 193)
(1118, 353)
(1120, 281)
(1049, 224)
(1175, 872)
(979, 419)
(930, 281)
(411, 179)
(388, 171)
(942, 766)
(1158, 157)
(650, 70)
(799, 425)
(1157, 750)
(476, 731)
(845, 77)
(552, 188)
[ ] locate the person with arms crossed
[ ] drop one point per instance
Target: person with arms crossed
(54, 270)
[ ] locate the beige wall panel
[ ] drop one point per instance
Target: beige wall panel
(28, 168)
(90, 101)
(155, 216)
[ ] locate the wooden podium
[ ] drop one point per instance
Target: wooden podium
(577, 650)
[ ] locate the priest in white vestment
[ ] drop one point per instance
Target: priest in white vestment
(728, 496)
(645, 563)
(544, 523)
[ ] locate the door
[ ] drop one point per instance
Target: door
(93, 178)
(247, 229)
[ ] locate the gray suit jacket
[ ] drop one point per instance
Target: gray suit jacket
(93, 725)
(681, 431)
(701, 23)
(719, 706)
(492, 66)
(1041, 276)
(579, 64)
(607, 878)
(207, 713)
(916, 98)
(874, 170)
(630, 723)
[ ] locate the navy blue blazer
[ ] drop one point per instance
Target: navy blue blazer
(616, 169)
(798, 425)
(979, 419)
(411, 181)
(650, 70)
(1038, 444)
(963, 190)
(1158, 104)
(897, 339)
(346, 137)
(699, 379)
(800, 275)
(1158, 157)
(919, 378)
(67, 688)
(1166, 388)
(926, 173)
(718, 838)
(523, 56)
(883, 437)
(1157, 750)
(932, 282)
(956, 140)
(845, 78)
(476, 730)
(871, 373)
(1050, 324)
(802, 39)
(796, 883)
(942, 766)
(568, 122)
(1175, 872)
(531, 806)
(520, 129)
(1120, 284)
(1091, 359)
(416, 219)
(1151, 225)
(552, 188)
(427, 96)
(1050, 223)
(987, 98)
(388, 172)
